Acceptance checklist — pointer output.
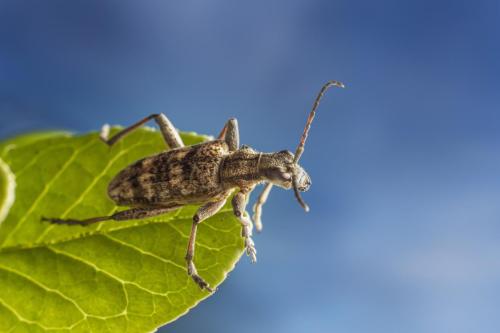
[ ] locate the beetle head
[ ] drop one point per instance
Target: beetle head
(285, 173)
(302, 181)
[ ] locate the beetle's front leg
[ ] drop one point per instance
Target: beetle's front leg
(239, 203)
(203, 213)
(257, 208)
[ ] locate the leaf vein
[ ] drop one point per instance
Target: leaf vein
(44, 287)
(89, 187)
(198, 243)
(44, 192)
(114, 277)
(36, 158)
(144, 252)
(24, 320)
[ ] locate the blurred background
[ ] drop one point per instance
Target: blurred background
(404, 229)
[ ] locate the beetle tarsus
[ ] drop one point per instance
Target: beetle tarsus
(64, 221)
(246, 232)
(196, 278)
(201, 283)
(250, 249)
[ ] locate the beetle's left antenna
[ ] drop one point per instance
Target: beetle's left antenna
(300, 148)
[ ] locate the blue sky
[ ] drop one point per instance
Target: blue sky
(403, 233)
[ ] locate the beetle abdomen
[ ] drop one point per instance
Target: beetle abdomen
(179, 176)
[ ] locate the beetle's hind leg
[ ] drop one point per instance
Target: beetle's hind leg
(129, 214)
(203, 213)
(167, 129)
(230, 133)
(76, 222)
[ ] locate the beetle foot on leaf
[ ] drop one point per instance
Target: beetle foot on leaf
(198, 279)
(246, 232)
(63, 221)
(201, 283)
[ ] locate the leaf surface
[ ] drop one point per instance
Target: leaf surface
(109, 277)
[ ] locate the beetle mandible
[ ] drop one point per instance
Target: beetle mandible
(205, 174)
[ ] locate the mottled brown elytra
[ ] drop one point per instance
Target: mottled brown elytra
(205, 174)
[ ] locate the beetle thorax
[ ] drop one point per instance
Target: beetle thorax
(241, 168)
(247, 167)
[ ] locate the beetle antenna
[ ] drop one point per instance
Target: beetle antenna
(300, 148)
(297, 195)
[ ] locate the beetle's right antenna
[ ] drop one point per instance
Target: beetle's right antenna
(300, 148)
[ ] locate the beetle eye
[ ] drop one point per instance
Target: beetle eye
(286, 152)
(278, 175)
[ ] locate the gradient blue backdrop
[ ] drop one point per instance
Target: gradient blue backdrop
(404, 230)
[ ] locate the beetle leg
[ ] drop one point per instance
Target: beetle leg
(129, 214)
(203, 213)
(170, 134)
(230, 134)
(257, 208)
(239, 204)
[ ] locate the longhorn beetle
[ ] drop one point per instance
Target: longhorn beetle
(205, 174)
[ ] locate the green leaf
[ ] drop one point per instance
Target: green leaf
(108, 277)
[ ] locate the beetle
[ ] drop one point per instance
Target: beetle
(205, 174)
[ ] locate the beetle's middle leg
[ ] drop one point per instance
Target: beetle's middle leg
(203, 213)
(129, 214)
(167, 129)
(239, 203)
